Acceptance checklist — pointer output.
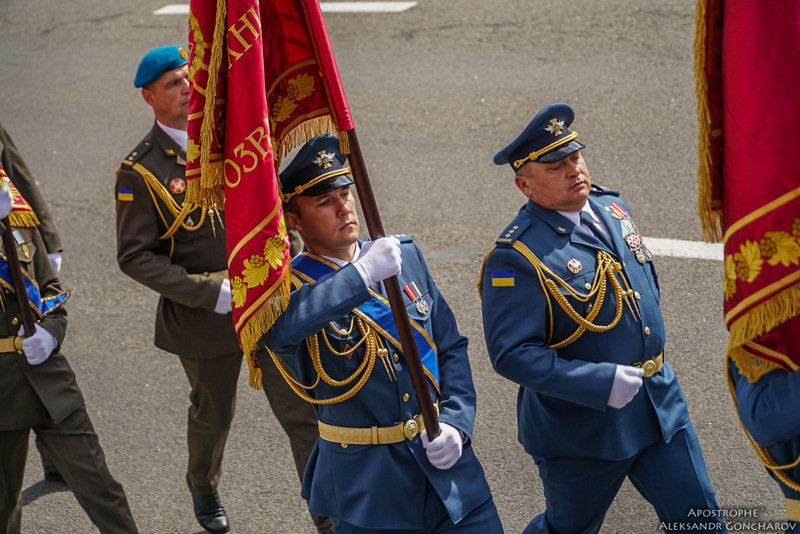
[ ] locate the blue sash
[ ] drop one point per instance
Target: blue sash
(375, 311)
(37, 303)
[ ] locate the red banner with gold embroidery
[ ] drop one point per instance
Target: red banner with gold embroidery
(264, 80)
(747, 53)
(21, 212)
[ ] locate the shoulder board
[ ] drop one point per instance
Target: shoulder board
(513, 231)
(600, 190)
(137, 153)
(403, 238)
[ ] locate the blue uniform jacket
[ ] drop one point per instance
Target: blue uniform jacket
(373, 486)
(562, 401)
(768, 411)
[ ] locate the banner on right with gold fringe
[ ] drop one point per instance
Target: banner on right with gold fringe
(747, 54)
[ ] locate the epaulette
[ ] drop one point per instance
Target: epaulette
(513, 231)
(403, 238)
(600, 190)
(136, 154)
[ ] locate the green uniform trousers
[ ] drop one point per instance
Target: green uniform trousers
(213, 404)
(75, 450)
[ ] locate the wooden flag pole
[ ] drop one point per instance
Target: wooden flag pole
(375, 228)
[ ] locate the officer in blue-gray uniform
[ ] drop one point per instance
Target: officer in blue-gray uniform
(373, 468)
(571, 313)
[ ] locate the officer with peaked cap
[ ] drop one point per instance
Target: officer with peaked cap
(571, 313)
(181, 254)
(336, 347)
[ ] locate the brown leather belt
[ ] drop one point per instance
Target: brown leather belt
(10, 344)
(651, 366)
(376, 435)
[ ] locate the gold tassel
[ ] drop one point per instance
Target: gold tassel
(257, 326)
(23, 218)
(764, 317)
(207, 190)
(710, 218)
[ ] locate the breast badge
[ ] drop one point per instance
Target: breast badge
(414, 294)
(574, 266)
(177, 185)
(630, 233)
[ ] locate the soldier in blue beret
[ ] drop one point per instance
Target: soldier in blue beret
(571, 313)
(373, 468)
(179, 251)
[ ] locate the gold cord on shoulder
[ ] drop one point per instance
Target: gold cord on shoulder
(607, 267)
(179, 212)
(373, 347)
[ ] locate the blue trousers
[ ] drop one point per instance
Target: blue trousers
(670, 476)
(482, 520)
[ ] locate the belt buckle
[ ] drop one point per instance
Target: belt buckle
(650, 368)
(18, 343)
(410, 429)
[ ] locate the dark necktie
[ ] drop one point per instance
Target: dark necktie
(591, 227)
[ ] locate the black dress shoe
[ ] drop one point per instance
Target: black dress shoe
(208, 510)
(51, 474)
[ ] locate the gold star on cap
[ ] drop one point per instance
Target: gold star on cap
(555, 127)
(324, 160)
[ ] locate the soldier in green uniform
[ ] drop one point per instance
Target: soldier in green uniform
(38, 389)
(17, 170)
(179, 251)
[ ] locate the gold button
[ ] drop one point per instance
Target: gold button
(588, 285)
(344, 445)
(637, 295)
(405, 397)
(647, 330)
(19, 351)
(396, 357)
(15, 320)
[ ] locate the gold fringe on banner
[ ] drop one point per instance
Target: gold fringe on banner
(710, 218)
(259, 323)
(23, 218)
(207, 191)
(764, 317)
(751, 366)
(304, 132)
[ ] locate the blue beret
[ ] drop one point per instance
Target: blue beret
(316, 169)
(545, 139)
(158, 61)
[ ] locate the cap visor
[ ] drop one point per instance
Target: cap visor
(560, 153)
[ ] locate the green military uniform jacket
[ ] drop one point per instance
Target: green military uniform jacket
(22, 178)
(180, 260)
(31, 393)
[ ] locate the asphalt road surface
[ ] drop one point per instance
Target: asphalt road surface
(435, 91)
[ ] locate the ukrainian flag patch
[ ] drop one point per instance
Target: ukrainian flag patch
(503, 278)
(125, 194)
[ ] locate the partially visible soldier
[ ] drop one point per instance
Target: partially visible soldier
(38, 389)
(179, 251)
(17, 170)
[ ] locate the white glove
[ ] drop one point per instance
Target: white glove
(55, 261)
(6, 202)
(627, 381)
(39, 346)
(444, 451)
(224, 299)
(379, 260)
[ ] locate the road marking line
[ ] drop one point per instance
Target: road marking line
(327, 7)
(678, 248)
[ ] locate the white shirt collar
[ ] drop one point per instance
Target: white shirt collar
(179, 136)
(575, 217)
(342, 263)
